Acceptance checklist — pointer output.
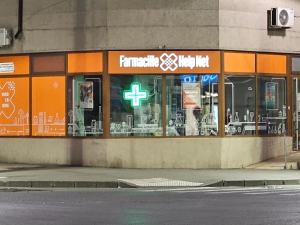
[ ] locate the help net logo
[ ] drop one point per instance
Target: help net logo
(168, 62)
(7, 92)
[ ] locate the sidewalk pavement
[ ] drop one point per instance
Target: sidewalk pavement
(270, 172)
(292, 162)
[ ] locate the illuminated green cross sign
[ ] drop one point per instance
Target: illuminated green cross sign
(135, 95)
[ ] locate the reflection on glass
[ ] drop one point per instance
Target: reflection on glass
(85, 106)
(272, 114)
(136, 104)
(296, 113)
(240, 105)
(192, 105)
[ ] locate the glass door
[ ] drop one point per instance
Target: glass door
(296, 113)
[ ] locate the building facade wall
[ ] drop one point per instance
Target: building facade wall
(243, 26)
(192, 153)
(70, 25)
(131, 24)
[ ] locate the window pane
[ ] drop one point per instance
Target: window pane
(85, 106)
(136, 105)
(272, 115)
(192, 105)
(240, 105)
(48, 106)
(14, 114)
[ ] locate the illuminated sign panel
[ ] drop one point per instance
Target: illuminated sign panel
(206, 79)
(135, 95)
(158, 62)
(165, 61)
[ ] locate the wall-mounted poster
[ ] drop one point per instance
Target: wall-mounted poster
(86, 95)
(271, 95)
(191, 95)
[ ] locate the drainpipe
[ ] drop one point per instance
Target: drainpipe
(20, 20)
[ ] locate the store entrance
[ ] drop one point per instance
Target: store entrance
(296, 113)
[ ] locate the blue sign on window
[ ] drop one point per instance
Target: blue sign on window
(205, 79)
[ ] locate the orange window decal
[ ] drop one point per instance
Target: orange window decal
(14, 106)
(48, 106)
(91, 62)
(14, 65)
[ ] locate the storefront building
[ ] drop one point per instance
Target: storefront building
(213, 105)
(133, 105)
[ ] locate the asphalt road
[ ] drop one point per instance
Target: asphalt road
(211, 206)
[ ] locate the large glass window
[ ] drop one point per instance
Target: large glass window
(192, 105)
(272, 114)
(48, 106)
(136, 105)
(240, 105)
(14, 106)
(85, 106)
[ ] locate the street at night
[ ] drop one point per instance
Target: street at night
(149, 112)
(222, 206)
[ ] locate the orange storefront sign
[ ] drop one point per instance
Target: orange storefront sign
(163, 62)
(91, 62)
(14, 65)
(239, 62)
(272, 64)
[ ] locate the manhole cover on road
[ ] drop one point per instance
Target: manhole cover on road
(159, 182)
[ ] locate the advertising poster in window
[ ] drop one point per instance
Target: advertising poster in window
(271, 93)
(191, 95)
(86, 95)
(14, 106)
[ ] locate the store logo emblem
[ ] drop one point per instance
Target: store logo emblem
(7, 92)
(168, 62)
